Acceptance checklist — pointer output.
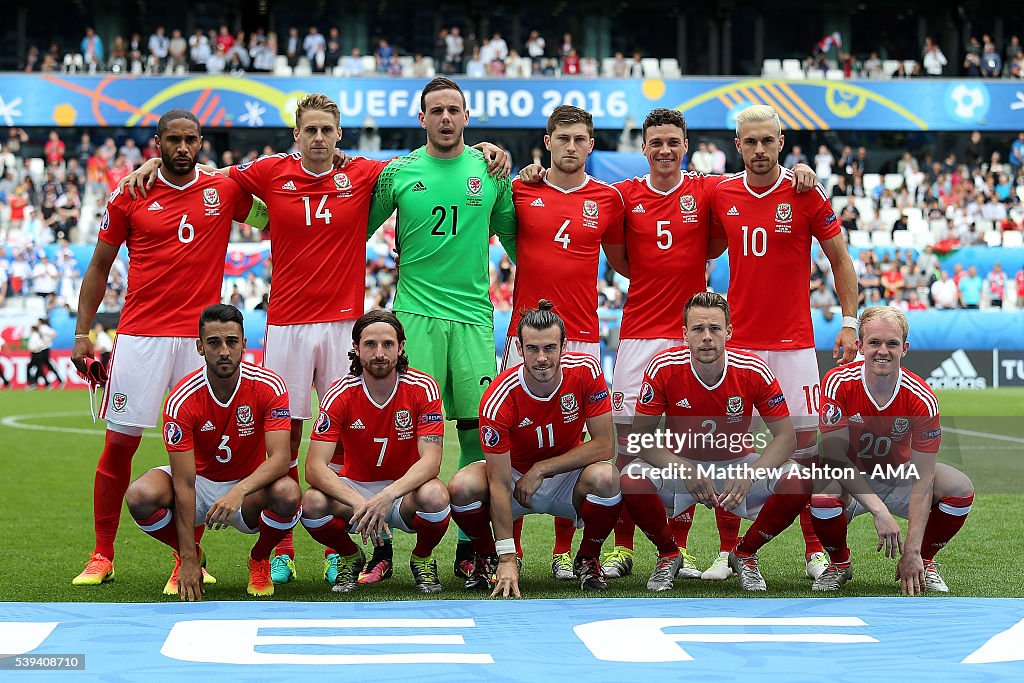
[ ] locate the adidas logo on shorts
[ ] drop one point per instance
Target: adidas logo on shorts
(288, 186)
(358, 424)
(208, 427)
(639, 208)
(732, 212)
(419, 187)
(537, 202)
(526, 422)
(155, 206)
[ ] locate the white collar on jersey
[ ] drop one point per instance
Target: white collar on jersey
(586, 179)
(366, 391)
(652, 188)
(782, 176)
(206, 378)
(544, 399)
(195, 179)
(725, 371)
(895, 391)
(316, 175)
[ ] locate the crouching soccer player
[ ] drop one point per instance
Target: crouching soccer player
(531, 426)
(387, 417)
(882, 418)
(226, 430)
(708, 394)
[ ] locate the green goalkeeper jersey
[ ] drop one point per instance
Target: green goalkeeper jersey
(447, 211)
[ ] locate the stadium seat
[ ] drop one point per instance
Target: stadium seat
(283, 69)
(840, 203)
(893, 181)
(865, 207)
(1013, 238)
(651, 66)
(771, 68)
(913, 214)
(918, 226)
(903, 239)
(302, 70)
(983, 226)
(923, 239)
(993, 238)
(908, 66)
(889, 216)
(881, 238)
(791, 68)
(407, 62)
(280, 60)
(860, 239)
(890, 66)
(369, 64)
(606, 66)
(338, 71)
(871, 181)
(670, 67)
(834, 75)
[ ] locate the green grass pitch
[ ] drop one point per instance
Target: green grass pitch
(50, 447)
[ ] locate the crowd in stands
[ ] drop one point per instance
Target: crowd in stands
(221, 51)
(897, 224)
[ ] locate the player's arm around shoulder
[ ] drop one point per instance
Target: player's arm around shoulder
(503, 216)
(385, 200)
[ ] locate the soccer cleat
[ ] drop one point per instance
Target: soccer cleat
(561, 567)
(282, 569)
(331, 567)
(463, 560)
(375, 571)
(749, 572)
(816, 565)
(482, 577)
(688, 566)
(832, 579)
(424, 573)
(260, 584)
(719, 569)
(932, 580)
(97, 570)
(171, 587)
(618, 563)
(590, 574)
(664, 573)
(349, 567)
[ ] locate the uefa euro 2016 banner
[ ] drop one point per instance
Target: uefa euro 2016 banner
(708, 103)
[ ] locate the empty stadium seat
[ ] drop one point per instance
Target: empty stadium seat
(881, 238)
(791, 68)
(771, 68)
(871, 181)
(284, 70)
(889, 216)
(865, 207)
(280, 60)
(908, 65)
(834, 75)
(670, 67)
(651, 66)
(1013, 238)
(860, 238)
(893, 181)
(984, 226)
(606, 66)
(840, 203)
(302, 70)
(903, 239)
(993, 238)
(913, 214)
(369, 64)
(890, 66)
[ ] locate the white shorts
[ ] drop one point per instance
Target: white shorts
(142, 370)
(895, 495)
(631, 360)
(209, 492)
(797, 372)
(368, 489)
(554, 497)
(677, 499)
(309, 355)
(511, 357)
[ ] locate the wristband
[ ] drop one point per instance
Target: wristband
(850, 321)
(505, 546)
(81, 336)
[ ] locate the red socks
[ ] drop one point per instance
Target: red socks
(778, 512)
(331, 532)
(113, 474)
(648, 512)
(946, 518)
(830, 527)
(273, 528)
(287, 544)
(565, 529)
(599, 516)
(430, 528)
(728, 530)
(475, 521)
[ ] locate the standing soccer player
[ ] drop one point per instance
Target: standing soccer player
(176, 239)
(448, 207)
(881, 418)
(226, 432)
(563, 222)
(533, 418)
(768, 228)
(708, 395)
(387, 417)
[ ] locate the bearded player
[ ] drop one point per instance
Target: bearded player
(882, 418)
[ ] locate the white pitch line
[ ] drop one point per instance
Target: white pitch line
(996, 437)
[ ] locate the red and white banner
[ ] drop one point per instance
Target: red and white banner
(14, 365)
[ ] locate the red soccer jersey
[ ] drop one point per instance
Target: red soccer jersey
(558, 245)
(880, 435)
(713, 421)
(228, 438)
(769, 237)
(380, 441)
(177, 238)
(666, 236)
(512, 420)
(318, 235)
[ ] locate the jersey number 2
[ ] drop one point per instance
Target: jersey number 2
(441, 213)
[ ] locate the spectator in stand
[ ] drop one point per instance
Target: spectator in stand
(995, 284)
(353, 64)
(971, 286)
(824, 300)
(571, 63)
(293, 47)
(932, 58)
(455, 47)
(945, 293)
(972, 58)
(796, 156)
(92, 50)
(383, 55)
(868, 284)
(475, 67)
(566, 46)
(263, 54)
(334, 54)
(700, 159)
(516, 66)
(313, 43)
(158, 47)
(535, 49)
(217, 62)
(198, 50)
(823, 162)
(224, 40)
(394, 66)
(873, 66)
(636, 66)
(892, 280)
(177, 51)
(717, 159)
(991, 62)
